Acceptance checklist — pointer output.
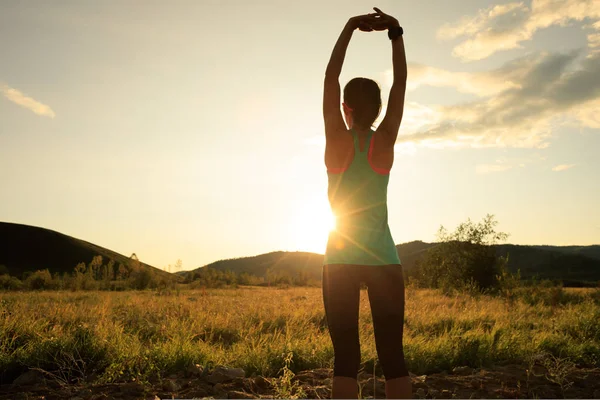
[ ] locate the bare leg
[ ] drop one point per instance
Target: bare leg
(398, 388)
(386, 296)
(344, 388)
(341, 296)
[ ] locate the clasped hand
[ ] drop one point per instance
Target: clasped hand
(377, 21)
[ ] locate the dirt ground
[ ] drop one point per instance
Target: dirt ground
(510, 381)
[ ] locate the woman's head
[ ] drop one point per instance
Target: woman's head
(362, 100)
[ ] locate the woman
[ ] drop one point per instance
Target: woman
(361, 248)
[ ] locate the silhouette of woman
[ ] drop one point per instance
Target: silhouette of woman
(361, 248)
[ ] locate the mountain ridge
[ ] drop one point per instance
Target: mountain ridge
(541, 261)
(28, 248)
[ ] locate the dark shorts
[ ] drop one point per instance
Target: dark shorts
(341, 296)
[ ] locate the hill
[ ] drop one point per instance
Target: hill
(292, 263)
(574, 265)
(26, 248)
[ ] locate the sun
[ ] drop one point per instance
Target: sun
(310, 226)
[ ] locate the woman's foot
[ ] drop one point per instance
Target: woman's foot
(344, 388)
(398, 388)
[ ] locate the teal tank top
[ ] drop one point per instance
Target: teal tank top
(358, 200)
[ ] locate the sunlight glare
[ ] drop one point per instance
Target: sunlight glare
(312, 222)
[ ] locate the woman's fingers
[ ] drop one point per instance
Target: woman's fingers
(365, 27)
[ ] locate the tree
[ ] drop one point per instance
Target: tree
(94, 267)
(122, 272)
(40, 280)
(463, 259)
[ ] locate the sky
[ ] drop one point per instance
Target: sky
(192, 130)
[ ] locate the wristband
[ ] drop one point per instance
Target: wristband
(395, 32)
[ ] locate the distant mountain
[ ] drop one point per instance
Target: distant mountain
(571, 264)
(588, 251)
(291, 262)
(28, 248)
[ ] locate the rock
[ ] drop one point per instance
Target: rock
(261, 382)
(224, 374)
(132, 388)
(234, 394)
(29, 378)
(434, 393)
(195, 370)
(463, 370)
(170, 385)
(85, 393)
(218, 387)
(421, 393)
(419, 381)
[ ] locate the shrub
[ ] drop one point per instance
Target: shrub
(8, 282)
(40, 280)
(464, 259)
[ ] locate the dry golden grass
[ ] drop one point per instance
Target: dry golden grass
(144, 335)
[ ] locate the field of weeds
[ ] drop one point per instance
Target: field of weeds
(169, 343)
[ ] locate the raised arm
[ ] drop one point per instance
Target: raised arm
(393, 116)
(334, 122)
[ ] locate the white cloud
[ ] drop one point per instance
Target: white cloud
(488, 168)
(478, 83)
(27, 102)
(563, 167)
(417, 117)
(544, 91)
(587, 114)
(594, 37)
(518, 105)
(505, 27)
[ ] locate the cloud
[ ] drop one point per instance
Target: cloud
(27, 102)
(594, 38)
(487, 168)
(417, 117)
(506, 26)
(545, 90)
(478, 83)
(563, 167)
(505, 164)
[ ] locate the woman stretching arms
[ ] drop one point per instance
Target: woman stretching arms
(361, 248)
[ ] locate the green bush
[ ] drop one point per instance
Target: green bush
(8, 282)
(464, 260)
(40, 280)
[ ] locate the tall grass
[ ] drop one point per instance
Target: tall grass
(124, 336)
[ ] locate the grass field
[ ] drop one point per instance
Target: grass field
(106, 337)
